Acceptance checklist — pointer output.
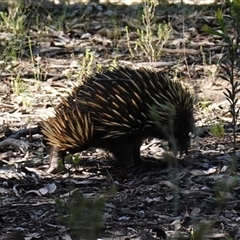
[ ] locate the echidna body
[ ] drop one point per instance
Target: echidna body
(117, 109)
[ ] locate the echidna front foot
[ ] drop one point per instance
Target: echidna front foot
(137, 159)
(122, 150)
(127, 151)
(124, 159)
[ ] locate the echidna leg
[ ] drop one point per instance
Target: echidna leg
(137, 159)
(122, 150)
(123, 156)
(55, 156)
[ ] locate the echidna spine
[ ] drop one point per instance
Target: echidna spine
(69, 128)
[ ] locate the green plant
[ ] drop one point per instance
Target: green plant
(229, 61)
(13, 23)
(84, 216)
(130, 49)
(70, 162)
(147, 43)
(204, 104)
(18, 85)
(86, 65)
(210, 69)
(218, 130)
(150, 45)
(62, 17)
(201, 230)
(14, 19)
(36, 62)
(223, 188)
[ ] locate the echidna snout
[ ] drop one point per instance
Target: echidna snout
(182, 136)
(180, 146)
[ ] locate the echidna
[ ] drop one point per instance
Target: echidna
(118, 109)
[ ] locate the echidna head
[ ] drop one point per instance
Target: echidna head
(184, 129)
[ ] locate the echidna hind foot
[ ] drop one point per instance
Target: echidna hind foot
(56, 155)
(125, 150)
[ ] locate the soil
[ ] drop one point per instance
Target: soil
(193, 197)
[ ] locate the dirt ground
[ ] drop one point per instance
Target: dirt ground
(196, 197)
